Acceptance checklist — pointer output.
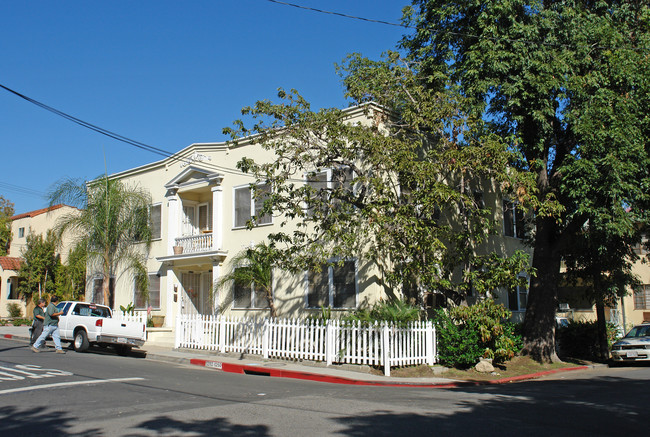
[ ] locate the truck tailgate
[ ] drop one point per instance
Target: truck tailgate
(123, 329)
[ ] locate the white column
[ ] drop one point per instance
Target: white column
(170, 314)
(217, 217)
(216, 274)
(174, 206)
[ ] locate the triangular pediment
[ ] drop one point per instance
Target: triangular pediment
(194, 175)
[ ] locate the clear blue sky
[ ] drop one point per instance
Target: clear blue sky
(165, 73)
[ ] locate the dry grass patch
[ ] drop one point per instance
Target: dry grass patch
(518, 366)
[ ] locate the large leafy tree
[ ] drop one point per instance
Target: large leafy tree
(71, 276)
(37, 274)
(112, 227)
(6, 212)
(398, 191)
(567, 83)
(601, 262)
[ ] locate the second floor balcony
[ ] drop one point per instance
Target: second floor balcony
(194, 244)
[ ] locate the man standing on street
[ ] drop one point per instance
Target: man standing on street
(50, 326)
(39, 318)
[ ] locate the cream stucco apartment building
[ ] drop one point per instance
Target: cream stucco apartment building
(34, 222)
(200, 206)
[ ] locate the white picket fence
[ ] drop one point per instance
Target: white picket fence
(137, 316)
(333, 341)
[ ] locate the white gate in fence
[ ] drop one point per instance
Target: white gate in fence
(333, 341)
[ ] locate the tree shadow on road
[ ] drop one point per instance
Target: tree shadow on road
(164, 425)
(40, 421)
(590, 407)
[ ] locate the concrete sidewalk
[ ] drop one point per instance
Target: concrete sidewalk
(307, 370)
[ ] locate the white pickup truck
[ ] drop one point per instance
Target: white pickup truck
(84, 323)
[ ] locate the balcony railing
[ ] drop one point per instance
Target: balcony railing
(195, 243)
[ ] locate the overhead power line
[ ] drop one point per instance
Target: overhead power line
(354, 17)
(89, 125)
(22, 190)
(121, 138)
(116, 136)
(459, 34)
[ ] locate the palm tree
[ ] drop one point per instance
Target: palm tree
(112, 226)
(253, 266)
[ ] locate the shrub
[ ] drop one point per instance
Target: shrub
(324, 315)
(580, 339)
(14, 310)
(458, 344)
(398, 312)
(467, 333)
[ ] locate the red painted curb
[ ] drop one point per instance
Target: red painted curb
(280, 373)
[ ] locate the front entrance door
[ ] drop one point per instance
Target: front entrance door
(196, 299)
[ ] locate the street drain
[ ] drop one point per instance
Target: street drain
(256, 372)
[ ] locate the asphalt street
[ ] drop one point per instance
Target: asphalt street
(100, 393)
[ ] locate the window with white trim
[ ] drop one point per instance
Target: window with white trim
(248, 205)
(334, 286)
(21, 232)
(247, 296)
(513, 220)
(140, 301)
(642, 297)
(518, 298)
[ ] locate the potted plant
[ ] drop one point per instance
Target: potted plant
(157, 321)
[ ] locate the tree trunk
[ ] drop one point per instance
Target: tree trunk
(603, 345)
(539, 321)
(106, 291)
(269, 297)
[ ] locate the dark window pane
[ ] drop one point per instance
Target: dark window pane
(513, 305)
(508, 219)
(261, 300)
(242, 295)
(154, 291)
(205, 217)
(156, 212)
(344, 285)
(262, 193)
(523, 298)
(318, 182)
(318, 294)
(520, 225)
(242, 206)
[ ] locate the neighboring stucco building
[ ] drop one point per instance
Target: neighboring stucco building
(22, 225)
(9, 267)
(632, 309)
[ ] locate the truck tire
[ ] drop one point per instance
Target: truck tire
(80, 341)
(123, 350)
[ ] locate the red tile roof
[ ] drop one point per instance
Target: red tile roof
(10, 263)
(37, 212)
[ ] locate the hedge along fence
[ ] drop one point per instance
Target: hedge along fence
(330, 341)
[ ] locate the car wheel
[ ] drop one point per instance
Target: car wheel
(123, 350)
(81, 341)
